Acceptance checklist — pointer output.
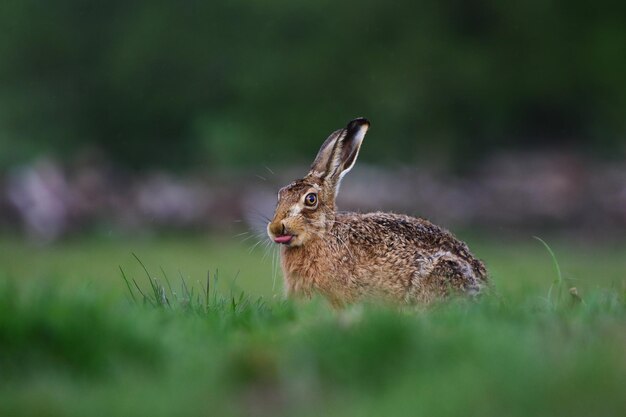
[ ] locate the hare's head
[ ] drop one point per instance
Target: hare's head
(306, 207)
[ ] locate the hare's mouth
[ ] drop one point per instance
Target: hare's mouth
(284, 239)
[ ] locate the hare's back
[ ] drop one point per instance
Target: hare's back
(388, 228)
(386, 232)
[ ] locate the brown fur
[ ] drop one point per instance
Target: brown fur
(349, 257)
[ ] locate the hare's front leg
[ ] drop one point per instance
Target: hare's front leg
(295, 288)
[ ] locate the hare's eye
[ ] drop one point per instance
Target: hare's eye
(310, 199)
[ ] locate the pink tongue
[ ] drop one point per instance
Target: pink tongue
(283, 239)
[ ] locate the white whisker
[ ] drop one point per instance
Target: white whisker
(254, 246)
(275, 257)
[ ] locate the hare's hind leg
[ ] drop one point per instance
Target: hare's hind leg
(453, 275)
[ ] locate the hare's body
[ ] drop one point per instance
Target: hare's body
(347, 256)
(381, 256)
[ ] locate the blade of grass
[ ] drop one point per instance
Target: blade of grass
(559, 281)
(145, 297)
(130, 289)
(206, 291)
(183, 285)
(155, 288)
(215, 279)
(168, 284)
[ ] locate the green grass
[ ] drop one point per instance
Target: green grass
(73, 341)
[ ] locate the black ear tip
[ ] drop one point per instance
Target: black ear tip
(358, 123)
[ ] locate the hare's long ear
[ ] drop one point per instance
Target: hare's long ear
(339, 152)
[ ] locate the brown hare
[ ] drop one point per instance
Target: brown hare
(348, 257)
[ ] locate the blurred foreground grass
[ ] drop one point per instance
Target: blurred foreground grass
(72, 342)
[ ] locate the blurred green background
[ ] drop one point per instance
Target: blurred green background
(222, 84)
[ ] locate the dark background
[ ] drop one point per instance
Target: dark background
(219, 84)
(142, 114)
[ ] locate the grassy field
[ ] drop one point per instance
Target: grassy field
(73, 341)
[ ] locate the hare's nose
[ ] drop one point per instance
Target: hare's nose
(277, 228)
